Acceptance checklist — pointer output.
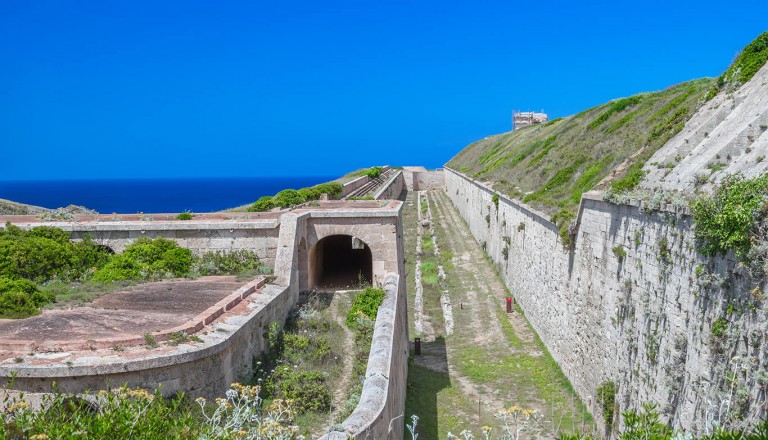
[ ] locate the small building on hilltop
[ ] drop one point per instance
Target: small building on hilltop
(524, 119)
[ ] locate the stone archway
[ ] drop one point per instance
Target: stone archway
(339, 261)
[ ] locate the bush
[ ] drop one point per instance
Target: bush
(265, 203)
(333, 189)
(288, 197)
(366, 304)
(119, 268)
(186, 215)
(373, 172)
(227, 263)
(307, 389)
(44, 253)
(729, 218)
(20, 298)
(147, 258)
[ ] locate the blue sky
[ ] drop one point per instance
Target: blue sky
(206, 89)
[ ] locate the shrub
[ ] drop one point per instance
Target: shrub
(309, 193)
(333, 189)
(288, 197)
(495, 200)
(44, 253)
(644, 424)
(719, 327)
(728, 219)
(119, 268)
(20, 298)
(307, 389)
(366, 304)
(147, 258)
(373, 172)
(265, 203)
(227, 263)
(186, 215)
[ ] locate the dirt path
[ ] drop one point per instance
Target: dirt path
(339, 305)
(493, 360)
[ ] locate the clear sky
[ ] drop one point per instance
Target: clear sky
(99, 89)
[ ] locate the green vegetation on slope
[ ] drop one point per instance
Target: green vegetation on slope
(549, 166)
(746, 65)
(291, 197)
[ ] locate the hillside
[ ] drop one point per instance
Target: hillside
(728, 135)
(549, 166)
(8, 207)
(688, 135)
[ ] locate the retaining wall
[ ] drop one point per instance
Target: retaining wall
(426, 180)
(633, 303)
(352, 185)
(203, 369)
(392, 188)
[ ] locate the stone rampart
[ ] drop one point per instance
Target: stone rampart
(633, 303)
(392, 188)
(352, 185)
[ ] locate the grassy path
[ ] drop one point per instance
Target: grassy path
(492, 360)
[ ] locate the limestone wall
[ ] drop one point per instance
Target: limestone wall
(199, 236)
(352, 185)
(643, 320)
(425, 180)
(392, 188)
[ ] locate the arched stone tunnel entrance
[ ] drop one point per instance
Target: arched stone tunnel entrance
(339, 261)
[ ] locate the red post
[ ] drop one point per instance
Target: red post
(509, 304)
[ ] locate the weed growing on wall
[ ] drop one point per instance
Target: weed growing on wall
(606, 398)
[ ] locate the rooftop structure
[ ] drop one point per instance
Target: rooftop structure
(524, 119)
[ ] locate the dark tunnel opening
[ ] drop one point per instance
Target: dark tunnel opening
(340, 261)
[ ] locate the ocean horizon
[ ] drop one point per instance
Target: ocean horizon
(129, 196)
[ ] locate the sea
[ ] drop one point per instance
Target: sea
(151, 195)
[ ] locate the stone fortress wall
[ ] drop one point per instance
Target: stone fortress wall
(419, 179)
(643, 320)
(228, 347)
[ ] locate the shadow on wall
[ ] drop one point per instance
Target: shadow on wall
(427, 376)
